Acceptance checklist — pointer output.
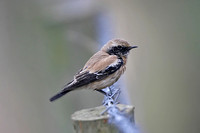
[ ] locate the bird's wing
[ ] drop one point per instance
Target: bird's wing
(100, 69)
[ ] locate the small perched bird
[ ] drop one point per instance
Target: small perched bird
(102, 70)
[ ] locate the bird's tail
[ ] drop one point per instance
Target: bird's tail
(60, 94)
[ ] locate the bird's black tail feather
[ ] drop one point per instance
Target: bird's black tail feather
(58, 95)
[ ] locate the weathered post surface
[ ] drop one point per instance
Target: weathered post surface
(91, 120)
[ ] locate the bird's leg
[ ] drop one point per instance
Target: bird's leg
(101, 91)
(109, 96)
(106, 93)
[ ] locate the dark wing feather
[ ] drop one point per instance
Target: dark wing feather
(111, 68)
(85, 78)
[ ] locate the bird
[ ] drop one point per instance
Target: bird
(102, 70)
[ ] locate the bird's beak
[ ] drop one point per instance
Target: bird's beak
(131, 47)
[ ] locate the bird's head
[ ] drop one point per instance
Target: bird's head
(117, 47)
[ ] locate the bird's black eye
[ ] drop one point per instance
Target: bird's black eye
(117, 50)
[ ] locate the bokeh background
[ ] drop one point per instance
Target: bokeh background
(44, 42)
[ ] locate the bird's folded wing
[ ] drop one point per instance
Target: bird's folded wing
(99, 70)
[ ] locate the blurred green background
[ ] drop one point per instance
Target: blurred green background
(44, 42)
